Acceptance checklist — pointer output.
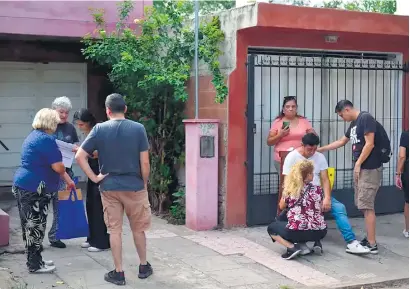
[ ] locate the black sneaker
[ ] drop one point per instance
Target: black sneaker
(114, 277)
(58, 244)
(318, 248)
(145, 271)
(373, 248)
(292, 252)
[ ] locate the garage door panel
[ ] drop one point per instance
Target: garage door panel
(17, 89)
(13, 144)
(17, 75)
(6, 175)
(65, 66)
(66, 76)
(75, 101)
(69, 89)
(17, 102)
(26, 88)
(13, 131)
(9, 160)
(16, 116)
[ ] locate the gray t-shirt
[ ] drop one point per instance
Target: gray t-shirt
(119, 143)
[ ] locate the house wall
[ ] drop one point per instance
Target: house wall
(59, 18)
(283, 26)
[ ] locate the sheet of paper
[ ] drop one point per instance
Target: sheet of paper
(66, 150)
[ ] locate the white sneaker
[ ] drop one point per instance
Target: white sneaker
(45, 269)
(405, 233)
(305, 249)
(48, 262)
(85, 245)
(356, 248)
(94, 249)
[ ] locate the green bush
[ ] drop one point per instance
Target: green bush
(177, 208)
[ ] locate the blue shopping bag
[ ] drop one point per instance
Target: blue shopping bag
(72, 220)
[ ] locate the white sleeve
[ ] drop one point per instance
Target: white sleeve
(323, 163)
(287, 165)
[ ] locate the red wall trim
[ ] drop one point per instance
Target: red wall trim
(337, 20)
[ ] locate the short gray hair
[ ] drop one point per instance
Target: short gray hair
(46, 119)
(62, 102)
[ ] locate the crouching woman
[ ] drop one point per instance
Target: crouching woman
(301, 200)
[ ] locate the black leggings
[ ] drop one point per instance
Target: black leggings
(278, 228)
(98, 238)
(405, 182)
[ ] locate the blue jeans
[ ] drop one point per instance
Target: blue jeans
(339, 213)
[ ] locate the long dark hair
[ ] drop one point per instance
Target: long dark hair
(286, 99)
(85, 116)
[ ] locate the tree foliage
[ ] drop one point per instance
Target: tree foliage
(205, 7)
(380, 6)
(150, 64)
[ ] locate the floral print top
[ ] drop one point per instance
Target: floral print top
(307, 214)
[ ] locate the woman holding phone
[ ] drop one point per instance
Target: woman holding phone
(287, 129)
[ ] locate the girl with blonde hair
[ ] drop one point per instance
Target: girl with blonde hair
(303, 220)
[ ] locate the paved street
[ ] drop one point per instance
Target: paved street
(239, 258)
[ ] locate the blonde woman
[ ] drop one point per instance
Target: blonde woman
(303, 203)
(36, 182)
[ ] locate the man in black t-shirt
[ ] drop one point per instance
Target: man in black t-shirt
(367, 164)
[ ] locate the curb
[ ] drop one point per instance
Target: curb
(383, 284)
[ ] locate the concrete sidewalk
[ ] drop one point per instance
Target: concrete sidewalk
(239, 258)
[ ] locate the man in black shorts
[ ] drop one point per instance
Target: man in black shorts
(402, 176)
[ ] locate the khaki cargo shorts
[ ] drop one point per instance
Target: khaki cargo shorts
(136, 206)
(366, 187)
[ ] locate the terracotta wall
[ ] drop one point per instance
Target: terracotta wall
(211, 110)
(59, 18)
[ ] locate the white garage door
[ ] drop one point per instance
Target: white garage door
(24, 89)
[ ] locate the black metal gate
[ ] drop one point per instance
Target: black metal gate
(373, 82)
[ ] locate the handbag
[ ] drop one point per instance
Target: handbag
(283, 215)
(72, 221)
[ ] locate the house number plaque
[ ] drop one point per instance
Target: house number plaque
(207, 146)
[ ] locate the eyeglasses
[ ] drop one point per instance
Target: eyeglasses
(287, 98)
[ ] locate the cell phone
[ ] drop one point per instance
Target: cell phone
(285, 124)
